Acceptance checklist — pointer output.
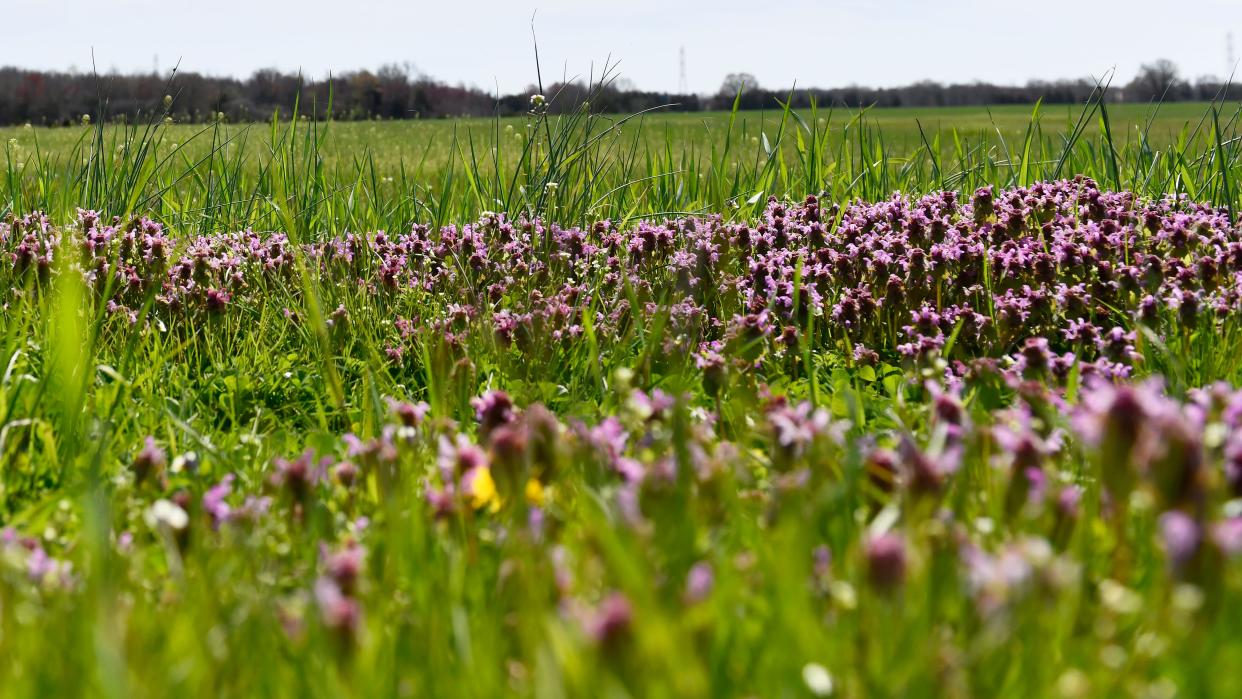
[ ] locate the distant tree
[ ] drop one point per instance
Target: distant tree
(1154, 81)
(400, 91)
(738, 82)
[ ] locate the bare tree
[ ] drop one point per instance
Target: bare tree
(738, 82)
(1155, 81)
(400, 91)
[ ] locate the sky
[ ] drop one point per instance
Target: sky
(488, 44)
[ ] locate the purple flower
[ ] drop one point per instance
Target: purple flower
(148, 461)
(214, 500)
(798, 426)
(1228, 536)
(218, 300)
(885, 556)
(492, 410)
(458, 457)
(297, 476)
(340, 613)
(611, 621)
(1181, 536)
(699, 582)
(344, 566)
(410, 414)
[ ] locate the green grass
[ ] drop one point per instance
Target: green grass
(382, 175)
(481, 602)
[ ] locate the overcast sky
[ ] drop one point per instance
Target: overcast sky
(487, 43)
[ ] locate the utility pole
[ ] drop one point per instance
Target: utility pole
(683, 85)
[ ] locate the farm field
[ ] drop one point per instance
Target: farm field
(726, 405)
(367, 175)
(392, 143)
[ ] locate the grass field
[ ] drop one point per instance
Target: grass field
(693, 409)
(358, 176)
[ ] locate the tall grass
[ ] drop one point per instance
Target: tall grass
(315, 177)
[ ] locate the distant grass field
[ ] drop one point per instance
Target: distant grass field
(393, 143)
(329, 177)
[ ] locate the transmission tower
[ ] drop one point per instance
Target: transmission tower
(1230, 61)
(683, 85)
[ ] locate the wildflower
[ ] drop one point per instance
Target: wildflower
(148, 461)
(1181, 536)
(1117, 420)
(217, 300)
(886, 561)
(344, 566)
(1227, 536)
(947, 408)
(796, 427)
(925, 474)
(817, 679)
(699, 582)
(493, 409)
(165, 514)
(441, 500)
(866, 357)
(508, 445)
(214, 503)
(478, 484)
(42, 568)
(612, 620)
(410, 414)
(459, 456)
(715, 371)
(340, 613)
(535, 493)
(346, 473)
(297, 476)
(651, 407)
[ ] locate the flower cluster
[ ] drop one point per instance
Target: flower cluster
(1043, 278)
(964, 424)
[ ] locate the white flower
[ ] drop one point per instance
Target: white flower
(817, 679)
(538, 101)
(181, 462)
(166, 513)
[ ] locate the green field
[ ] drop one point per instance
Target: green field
(355, 175)
(912, 403)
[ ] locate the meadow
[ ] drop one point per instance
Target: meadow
(892, 404)
(334, 177)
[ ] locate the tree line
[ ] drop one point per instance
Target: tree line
(399, 92)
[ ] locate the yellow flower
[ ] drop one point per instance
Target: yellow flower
(534, 492)
(481, 488)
